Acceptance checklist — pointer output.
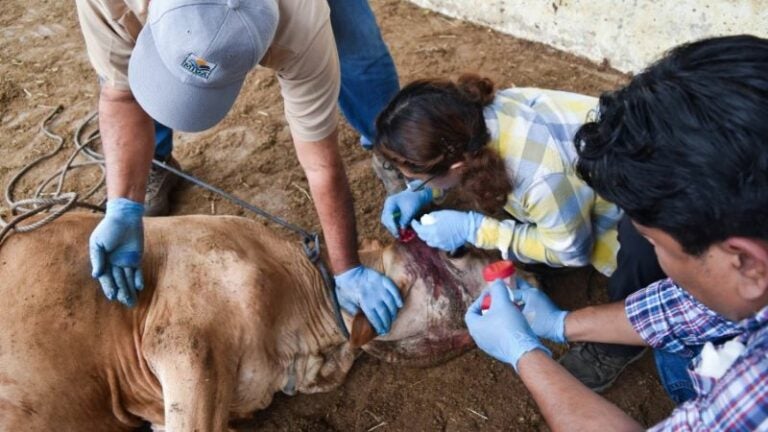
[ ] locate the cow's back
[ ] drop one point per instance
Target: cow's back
(68, 354)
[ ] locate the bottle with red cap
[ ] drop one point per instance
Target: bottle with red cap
(504, 270)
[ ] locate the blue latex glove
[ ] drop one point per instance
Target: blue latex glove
(451, 229)
(546, 319)
(373, 292)
(502, 332)
(116, 246)
(400, 208)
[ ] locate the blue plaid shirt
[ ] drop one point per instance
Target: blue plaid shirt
(670, 319)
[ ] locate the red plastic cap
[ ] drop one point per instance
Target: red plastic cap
(498, 270)
(407, 234)
(486, 302)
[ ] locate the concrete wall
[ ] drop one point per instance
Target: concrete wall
(628, 33)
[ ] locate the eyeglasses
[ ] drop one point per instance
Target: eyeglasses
(423, 184)
(387, 165)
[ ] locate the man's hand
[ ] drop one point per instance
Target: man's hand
(402, 207)
(450, 229)
(502, 332)
(373, 292)
(116, 246)
(546, 319)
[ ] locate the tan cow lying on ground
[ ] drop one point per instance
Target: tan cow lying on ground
(231, 314)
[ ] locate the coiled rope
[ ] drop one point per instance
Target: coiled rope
(57, 202)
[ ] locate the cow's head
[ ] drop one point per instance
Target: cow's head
(436, 290)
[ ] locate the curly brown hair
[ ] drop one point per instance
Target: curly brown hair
(432, 124)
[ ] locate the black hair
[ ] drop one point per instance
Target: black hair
(684, 146)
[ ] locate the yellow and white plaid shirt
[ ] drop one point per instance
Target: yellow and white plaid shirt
(558, 219)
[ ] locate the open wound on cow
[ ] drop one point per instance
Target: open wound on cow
(406, 235)
(440, 289)
(425, 263)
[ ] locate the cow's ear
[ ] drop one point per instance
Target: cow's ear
(362, 331)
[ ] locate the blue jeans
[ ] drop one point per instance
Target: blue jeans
(368, 75)
(163, 141)
(673, 373)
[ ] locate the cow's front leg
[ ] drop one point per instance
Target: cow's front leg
(197, 379)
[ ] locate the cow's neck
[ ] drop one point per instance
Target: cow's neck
(322, 355)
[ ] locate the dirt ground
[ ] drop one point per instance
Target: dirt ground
(43, 63)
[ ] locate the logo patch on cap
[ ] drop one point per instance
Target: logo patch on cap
(198, 66)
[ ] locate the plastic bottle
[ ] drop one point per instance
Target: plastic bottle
(427, 219)
(504, 270)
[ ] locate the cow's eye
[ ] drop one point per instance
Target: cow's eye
(458, 253)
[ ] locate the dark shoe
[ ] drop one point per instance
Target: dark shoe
(594, 367)
(159, 187)
(390, 176)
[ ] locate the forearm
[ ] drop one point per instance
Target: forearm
(333, 199)
(558, 228)
(606, 323)
(127, 136)
(566, 403)
(526, 242)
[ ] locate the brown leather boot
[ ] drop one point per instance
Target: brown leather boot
(160, 184)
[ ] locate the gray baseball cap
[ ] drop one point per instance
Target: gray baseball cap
(192, 56)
